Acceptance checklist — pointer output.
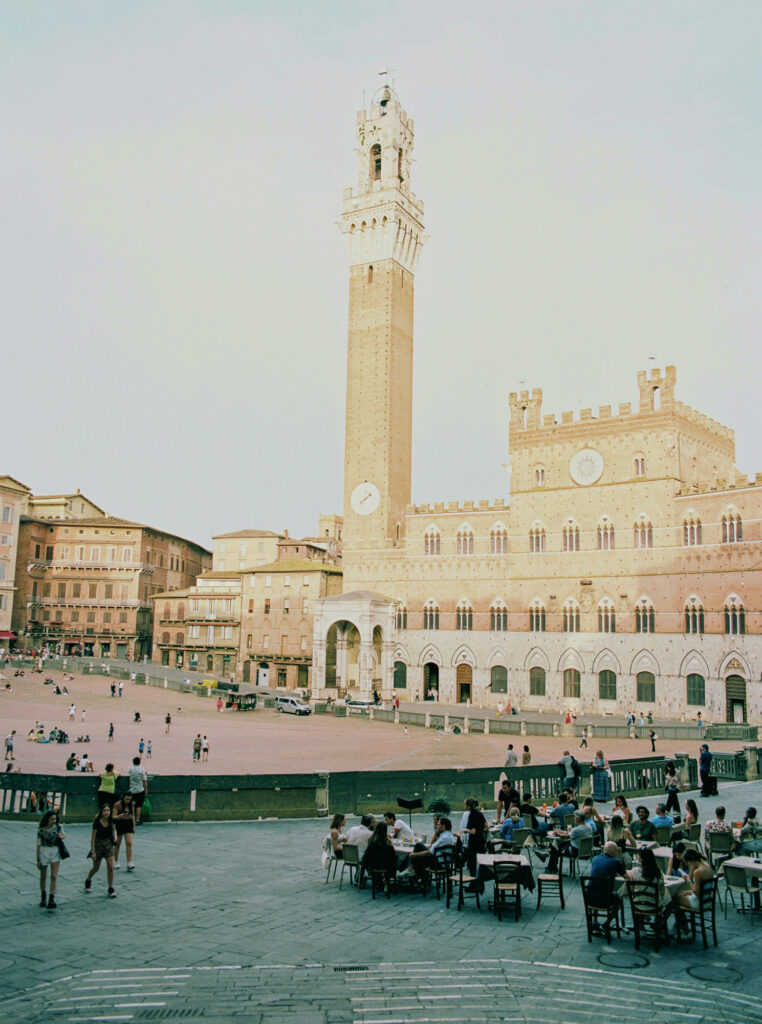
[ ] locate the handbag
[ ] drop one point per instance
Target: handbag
(64, 853)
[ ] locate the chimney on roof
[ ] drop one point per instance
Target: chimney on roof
(285, 534)
(78, 490)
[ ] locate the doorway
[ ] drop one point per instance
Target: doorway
(463, 680)
(735, 699)
(431, 681)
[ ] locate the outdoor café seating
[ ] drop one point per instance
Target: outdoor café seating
(602, 908)
(649, 916)
(704, 913)
(506, 888)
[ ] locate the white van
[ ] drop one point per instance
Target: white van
(292, 705)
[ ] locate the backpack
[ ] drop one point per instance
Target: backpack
(576, 768)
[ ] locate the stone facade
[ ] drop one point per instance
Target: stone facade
(14, 502)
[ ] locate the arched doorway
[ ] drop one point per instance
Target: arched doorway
(400, 675)
(735, 699)
(342, 670)
(263, 674)
(209, 663)
(431, 681)
(246, 671)
(463, 680)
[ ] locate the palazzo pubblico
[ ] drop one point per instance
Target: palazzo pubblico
(623, 574)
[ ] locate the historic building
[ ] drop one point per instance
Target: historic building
(624, 571)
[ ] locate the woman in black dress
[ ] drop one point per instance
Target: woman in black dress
(476, 830)
(102, 843)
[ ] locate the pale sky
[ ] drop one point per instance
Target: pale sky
(174, 285)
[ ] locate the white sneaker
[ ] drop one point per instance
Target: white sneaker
(130, 866)
(117, 865)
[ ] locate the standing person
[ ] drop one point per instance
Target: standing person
(653, 738)
(197, 747)
(511, 757)
(499, 710)
(650, 718)
(121, 686)
(141, 746)
(9, 746)
(49, 856)
(705, 771)
(102, 842)
(219, 703)
(167, 723)
(72, 712)
(84, 715)
(113, 689)
(476, 830)
(601, 780)
(567, 766)
(138, 787)
(204, 749)
(672, 786)
(583, 737)
(526, 755)
(148, 749)
(111, 732)
(123, 816)
(107, 788)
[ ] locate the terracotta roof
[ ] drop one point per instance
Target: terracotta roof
(170, 593)
(105, 522)
(12, 480)
(296, 565)
(247, 533)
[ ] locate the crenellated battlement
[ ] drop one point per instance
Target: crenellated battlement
(705, 422)
(445, 507)
(720, 486)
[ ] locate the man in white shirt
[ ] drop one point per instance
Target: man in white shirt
(359, 835)
(397, 828)
(138, 786)
(511, 757)
(422, 857)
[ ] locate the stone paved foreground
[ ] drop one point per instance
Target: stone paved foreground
(228, 921)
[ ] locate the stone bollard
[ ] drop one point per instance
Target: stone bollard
(427, 720)
(751, 762)
(590, 732)
(466, 724)
(682, 763)
(396, 717)
(165, 682)
(523, 729)
(555, 728)
(486, 726)
(370, 714)
(446, 723)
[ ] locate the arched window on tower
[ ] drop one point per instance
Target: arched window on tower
(539, 476)
(536, 538)
(431, 615)
(464, 615)
(694, 615)
(732, 528)
(498, 616)
(605, 534)
(735, 616)
(571, 616)
(465, 540)
(691, 530)
(643, 533)
(606, 616)
(537, 616)
(401, 615)
(370, 274)
(375, 163)
(639, 465)
(645, 617)
(432, 541)
(498, 540)
(570, 536)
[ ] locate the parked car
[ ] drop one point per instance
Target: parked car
(292, 705)
(357, 705)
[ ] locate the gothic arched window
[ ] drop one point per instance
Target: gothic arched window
(694, 615)
(643, 533)
(607, 685)
(570, 536)
(498, 540)
(571, 682)
(691, 530)
(606, 616)
(401, 616)
(537, 616)
(646, 687)
(498, 616)
(537, 681)
(432, 541)
(537, 538)
(431, 615)
(732, 528)
(735, 616)
(645, 617)
(571, 616)
(465, 540)
(605, 534)
(375, 163)
(499, 679)
(464, 615)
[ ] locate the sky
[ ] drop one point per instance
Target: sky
(173, 284)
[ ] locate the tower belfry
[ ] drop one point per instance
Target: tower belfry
(382, 221)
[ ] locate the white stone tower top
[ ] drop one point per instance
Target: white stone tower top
(382, 219)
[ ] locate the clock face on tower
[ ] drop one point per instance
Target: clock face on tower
(586, 467)
(365, 498)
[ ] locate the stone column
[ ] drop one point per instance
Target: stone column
(318, 668)
(342, 681)
(751, 762)
(387, 669)
(365, 664)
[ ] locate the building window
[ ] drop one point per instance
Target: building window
(606, 617)
(210, 634)
(498, 616)
(227, 632)
(640, 466)
(570, 537)
(303, 643)
(571, 616)
(691, 530)
(61, 590)
(75, 616)
(607, 685)
(571, 682)
(499, 679)
(195, 605)
(305, 605)
(732, 528)
(605, 536)
(268, 581)
(266, 641)
(646, 682)
(643, 534)
(537, 616)
(286, 606)
(735, 617)
(401, 616)
(539, 476)
(431, 615)
(498, 540)
(122, 616)
(91, 616)
(375, 163)
(536, 539)
(695, 690)
(249, 639)
(194, 632)
(537, 682)
(126, 554)
(7, 514)
(267, 606)
(694, 616)
(107, 616)
(432, 541)
(76, 590)
(645, 618)
(465, 541)
(92, 590)
(465, 616)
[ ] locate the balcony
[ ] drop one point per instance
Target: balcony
(85, 602)
(73, 563)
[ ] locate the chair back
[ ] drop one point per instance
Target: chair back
(506, 871)
(569, 820)
(351, 855)
(585, 848)
(693, 832)
(735, 878)
(445, 859)
(663, 834)
(328, 846)
(600, 897)
(707, 895)
(720, 842)
(644, 898)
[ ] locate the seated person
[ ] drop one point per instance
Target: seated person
(359, 835)
(677, 865)
(512, 822)
(398, 828)
(750, 844)
(660, 818)
(619, 833)
(423, 856)
(336, 835)
(528, 812)
(379, 854)
(698, 873)
(72, 762)
(507, 796)
(648, 871)
(568, 842)
(604, 869)
(642, 828)
(716, 824)
(592, 818)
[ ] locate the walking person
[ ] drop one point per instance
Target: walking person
(72, 712)
(9, 746)
(121, 686)
(167, 723)
(672, 787)
(204, 749)
(526, 755)
(123, 816)
(138, 787)
(111, 732)
(141, 746)
(84, 715)
(653, 738)
(107, 788)
(148, 749)
(49, 835)
(197, 747)
(583, 737)
(219, 704)
(102, 843)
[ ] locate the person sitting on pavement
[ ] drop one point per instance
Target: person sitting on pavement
(398, 829)
(641, 828)
(567, 844)
(512, 822)
(427, 856)
(660, 818)
(507, 796)
(750, 844)
(605, 867)
(359, 835)
(72, 762)
(379, 854)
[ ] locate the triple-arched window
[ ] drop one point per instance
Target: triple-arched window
(498, 540)
(694, 615)
(432, 541)
(464, 615)
(401, 615)
(606, 616)
(691, 530)
(570, 536)
(645, 617)
(537, 616)
(605, 534)
(571, 616)
(643, 533)
(536, 538)
(735, 616)
(465, 540)
(732, 528)
(498, 616)
(431, 615)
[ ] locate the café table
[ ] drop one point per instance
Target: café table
(663, 855)
(485, 861)
(752, 866)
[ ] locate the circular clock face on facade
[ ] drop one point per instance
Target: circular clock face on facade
(586, 467)
(365, 498)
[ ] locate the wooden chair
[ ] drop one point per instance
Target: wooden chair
(707, 899)
(693, 833)
(382, 880)
(462, 879)
(551, 885)
(601, 908)
(648, 912)
(737, 881)
(664, 835)
(585, 853)
(440, 872)
(520, 836)
(506, 888)
(569, 822)
(718, 847)
(352, 861)
(333, 860)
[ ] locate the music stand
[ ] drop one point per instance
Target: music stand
(410, 805)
